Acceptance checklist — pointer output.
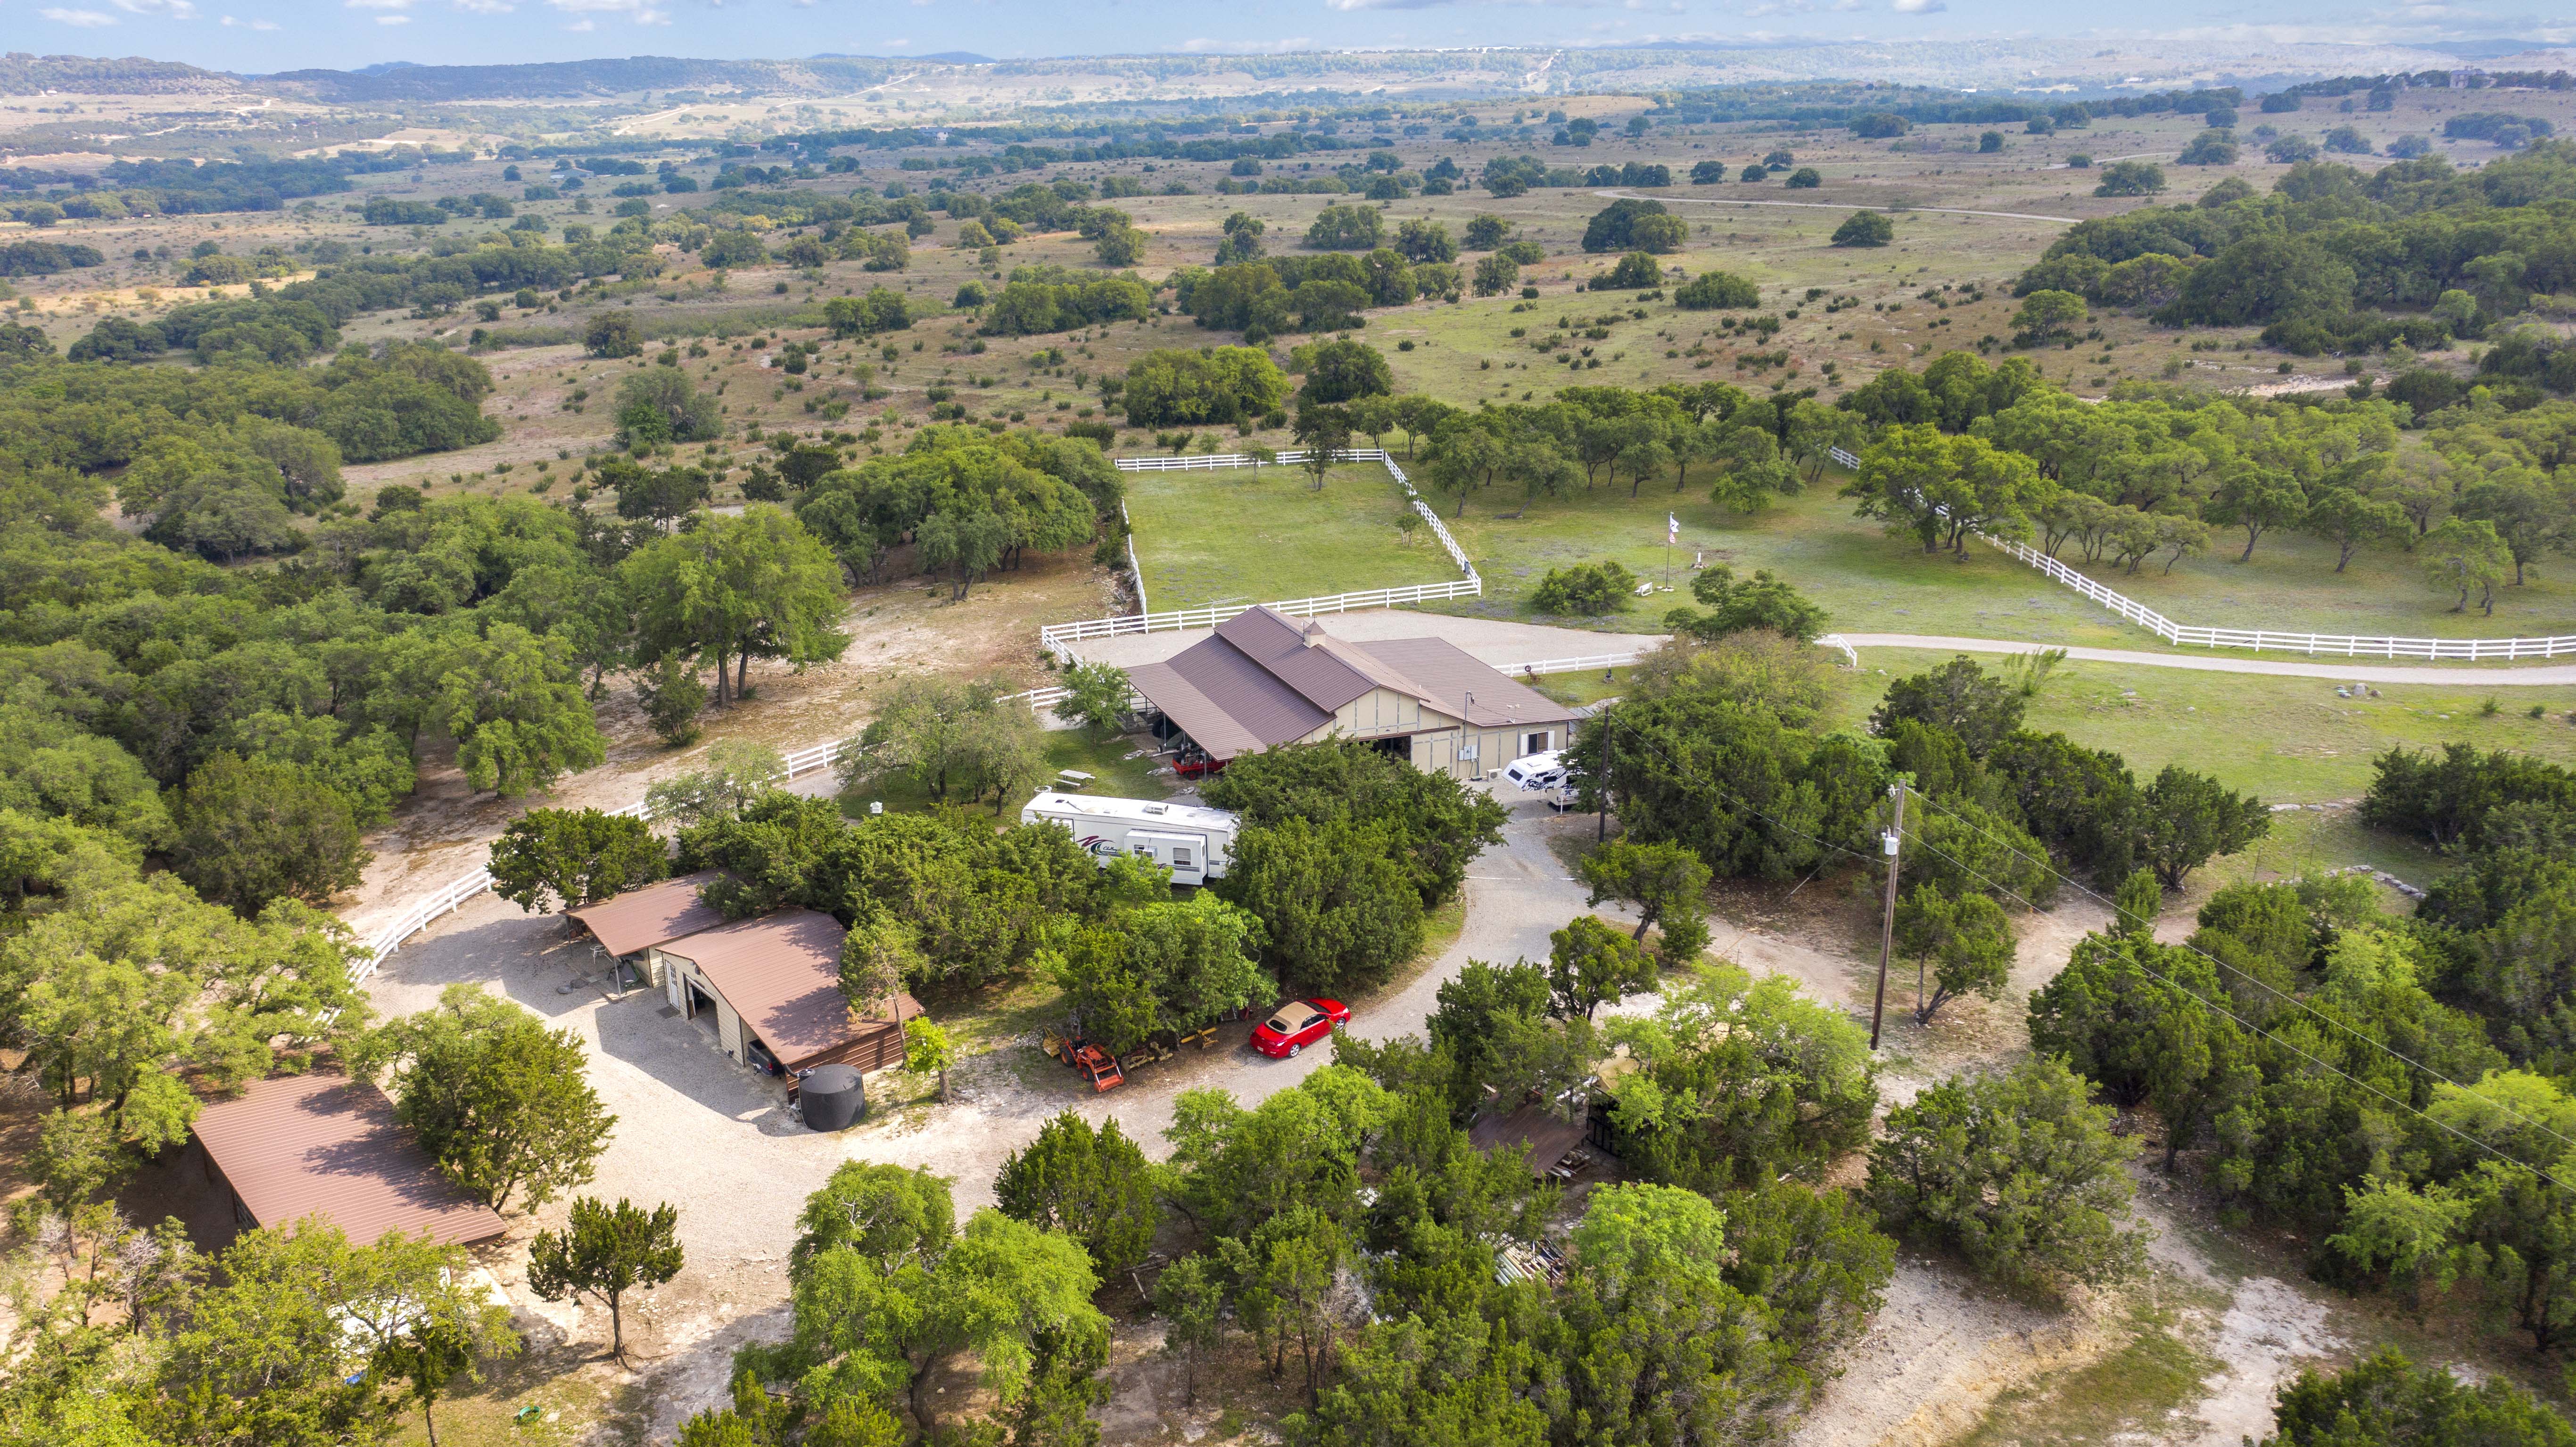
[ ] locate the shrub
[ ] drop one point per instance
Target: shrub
(2018, 1173)
(1635, 270)
(612, 334)
(2210, 148)
(2130, 178)
(1588, 589)
(1633, 225)
(1716, 291)
(1865, 228)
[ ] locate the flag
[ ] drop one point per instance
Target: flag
(1672, 530)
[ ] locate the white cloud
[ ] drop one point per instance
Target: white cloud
(83, 19)
(393, 20)
(241, 24)
(642, 12)
(167, 9)
(485, 7)
(1920, 7)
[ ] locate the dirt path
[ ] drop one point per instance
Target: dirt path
(1947, 1351)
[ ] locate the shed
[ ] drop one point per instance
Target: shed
(328, 1146)
(657, 914)
(774, 983)
(1542, 1139)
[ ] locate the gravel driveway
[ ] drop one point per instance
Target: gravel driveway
(699, 1131)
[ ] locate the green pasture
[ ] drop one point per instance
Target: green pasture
(1871, 582)
(1253, 535)
(2288, 740)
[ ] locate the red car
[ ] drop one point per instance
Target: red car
(1295, 1026)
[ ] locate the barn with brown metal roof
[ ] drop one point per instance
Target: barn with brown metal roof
(1261, 680)
(327, 1146)
(773, 984)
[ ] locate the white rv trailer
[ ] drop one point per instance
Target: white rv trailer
(1191, 840)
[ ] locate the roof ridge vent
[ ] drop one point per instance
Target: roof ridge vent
(1314, 633)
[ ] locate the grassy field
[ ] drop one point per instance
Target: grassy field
(1871, 582)
(1254, 535)
(2289, 740)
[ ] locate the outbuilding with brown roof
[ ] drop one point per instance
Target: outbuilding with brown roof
(657, 914)
(328, 1146)
(774, 983)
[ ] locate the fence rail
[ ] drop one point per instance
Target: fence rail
(2261, 640)
(1569, 665)
(2266, 640)
(1056, 638)
(1060, 638)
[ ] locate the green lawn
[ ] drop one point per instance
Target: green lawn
(1873, 583)
(1248, 535)
(2289, 740)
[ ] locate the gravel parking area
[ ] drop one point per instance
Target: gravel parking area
(715, 1139)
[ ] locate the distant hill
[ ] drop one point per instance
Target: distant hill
(24, 74)
(944, 57)
(1214, 80)
(576, 78)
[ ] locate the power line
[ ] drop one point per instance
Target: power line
(2331, 1068)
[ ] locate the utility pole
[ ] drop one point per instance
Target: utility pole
(1887, 928)
(1602, 831)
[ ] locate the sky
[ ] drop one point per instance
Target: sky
(259, 36)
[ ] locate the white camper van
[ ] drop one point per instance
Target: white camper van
(1533, 772)
(1192, 840)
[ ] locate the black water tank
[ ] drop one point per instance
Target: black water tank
(832, 1097)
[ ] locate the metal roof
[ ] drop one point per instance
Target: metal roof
(327, 1146)
(1261, 681)
(1448, 674)
(1542, 1139)
(654, 915)
(782, 974)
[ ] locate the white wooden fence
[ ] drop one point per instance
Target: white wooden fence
(1060, 638)
(2271, 640)
(2339, 645)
